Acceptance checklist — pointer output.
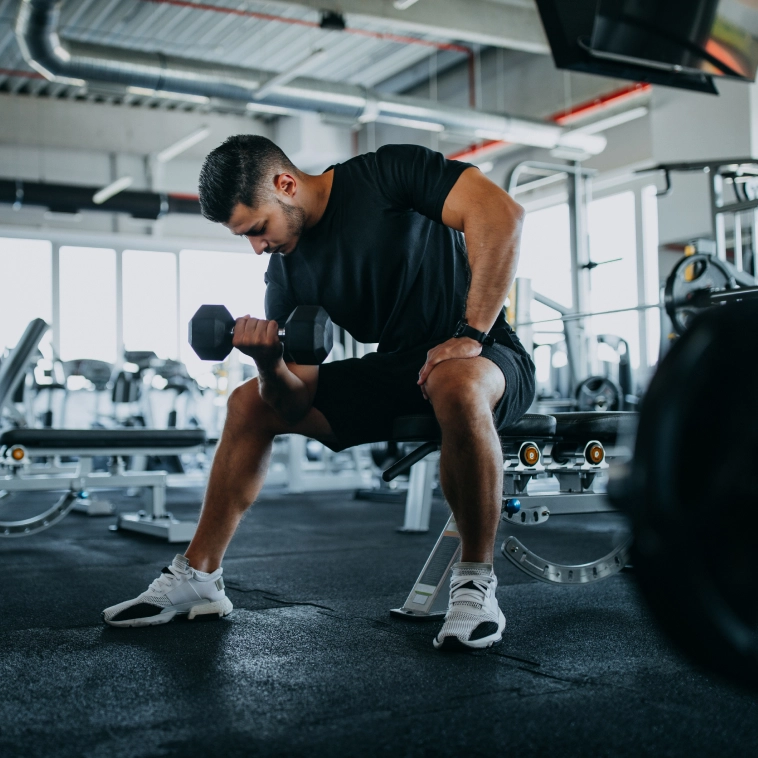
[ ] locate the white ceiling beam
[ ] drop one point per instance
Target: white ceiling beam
(481, 22)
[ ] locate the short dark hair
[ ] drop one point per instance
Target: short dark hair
(237, 172)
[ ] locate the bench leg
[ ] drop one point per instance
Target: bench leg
(418, 502)
(158, 522)
(428, 599)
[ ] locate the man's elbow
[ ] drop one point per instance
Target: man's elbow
(517, 212)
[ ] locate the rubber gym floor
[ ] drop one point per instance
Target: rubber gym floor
(310, 662)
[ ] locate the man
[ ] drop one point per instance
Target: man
(378, 242)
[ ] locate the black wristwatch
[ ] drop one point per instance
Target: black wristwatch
(464, 330)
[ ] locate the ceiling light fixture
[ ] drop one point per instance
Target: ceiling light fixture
(412, 123)
(165, 95)
(167, 154)
(287, 76)
(616, 120)
(107, 192)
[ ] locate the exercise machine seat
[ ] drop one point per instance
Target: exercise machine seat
(592, 425)
(426, 429)
(98, 439)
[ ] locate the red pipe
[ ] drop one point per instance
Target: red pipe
(598, 103)
(562, 117)
(399, 38)
(21, 74)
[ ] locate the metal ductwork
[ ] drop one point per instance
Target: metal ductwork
(72, 198)
(81, 63)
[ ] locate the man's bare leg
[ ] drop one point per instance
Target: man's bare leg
(464, 393)
(241, 463)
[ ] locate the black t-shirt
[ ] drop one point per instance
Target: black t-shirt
(380, 260)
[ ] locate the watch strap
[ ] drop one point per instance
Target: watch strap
(466, 330)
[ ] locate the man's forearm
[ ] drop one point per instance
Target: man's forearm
(493, 257)
(284, 391)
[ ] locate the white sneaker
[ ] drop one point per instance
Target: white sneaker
(179, 590)
(473, 620)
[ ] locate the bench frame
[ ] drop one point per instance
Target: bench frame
(575, 474)
(30, 477)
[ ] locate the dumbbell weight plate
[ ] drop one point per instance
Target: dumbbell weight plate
(210, 332)
(309, 335)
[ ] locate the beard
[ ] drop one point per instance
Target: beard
(294, 218)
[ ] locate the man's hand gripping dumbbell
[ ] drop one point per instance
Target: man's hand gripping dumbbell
(307, 336)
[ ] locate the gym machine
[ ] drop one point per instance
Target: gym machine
(696, 283)
(22, 449)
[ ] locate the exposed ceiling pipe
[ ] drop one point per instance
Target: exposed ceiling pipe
(78, 63)
(72, 198)
(490, 148)
(399, 38)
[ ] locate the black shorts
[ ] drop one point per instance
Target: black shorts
(361, 397)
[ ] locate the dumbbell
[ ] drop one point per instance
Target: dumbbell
(307, 334)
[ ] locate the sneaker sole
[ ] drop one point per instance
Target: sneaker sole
(220, 608)
(456, 645)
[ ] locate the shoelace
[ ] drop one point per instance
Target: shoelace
(462, 594)
(165, 580)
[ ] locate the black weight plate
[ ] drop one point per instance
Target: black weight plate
(598, 393)
(693, 492)
(692, 275)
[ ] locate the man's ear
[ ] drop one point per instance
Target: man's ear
(286, 184)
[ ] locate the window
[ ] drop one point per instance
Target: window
(88, 303)
(546, 254)
(26, 268)
(231, 279)
(149, 302)
(613, 285)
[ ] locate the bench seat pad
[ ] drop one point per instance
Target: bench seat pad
(592, 425)
(425, 428)
(100, 439)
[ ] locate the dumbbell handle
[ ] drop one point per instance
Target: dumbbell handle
(280, 332)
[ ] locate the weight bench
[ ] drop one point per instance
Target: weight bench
(18, 448)
(572, 447)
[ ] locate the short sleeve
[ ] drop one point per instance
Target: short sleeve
(279, 303)
(417, 178)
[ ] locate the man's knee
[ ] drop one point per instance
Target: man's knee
(458, 394)
(246, 407)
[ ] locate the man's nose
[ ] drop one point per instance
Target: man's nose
(258, 245)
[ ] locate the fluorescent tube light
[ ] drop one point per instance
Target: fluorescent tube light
(106, 193)
(287, 76)
(183, 144)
